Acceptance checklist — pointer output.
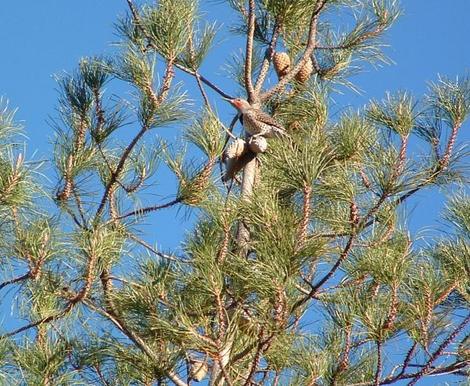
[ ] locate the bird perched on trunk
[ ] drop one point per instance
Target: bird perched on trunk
(257, 122)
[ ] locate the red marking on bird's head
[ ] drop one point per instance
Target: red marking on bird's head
(239, 104)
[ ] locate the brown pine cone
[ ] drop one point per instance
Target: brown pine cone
(281, 63)
(305, 72)
(258, 144)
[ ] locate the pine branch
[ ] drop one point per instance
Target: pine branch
(249, 51)
(267, 59)
(428, 366)
(378, 370)
(206, 81)
(316, 287)
(138, 341)
(307, 53)
(148, 209)
(15, 280)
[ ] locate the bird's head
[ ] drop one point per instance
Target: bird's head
(240, 104)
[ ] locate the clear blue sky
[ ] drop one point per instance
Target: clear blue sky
(42, 38)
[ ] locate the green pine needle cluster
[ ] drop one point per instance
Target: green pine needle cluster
(301, 270)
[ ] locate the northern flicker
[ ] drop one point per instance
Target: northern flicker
(256, 122)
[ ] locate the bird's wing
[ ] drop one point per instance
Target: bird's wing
(266, 118)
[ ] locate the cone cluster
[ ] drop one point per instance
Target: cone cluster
(282, 65)
(239, 153)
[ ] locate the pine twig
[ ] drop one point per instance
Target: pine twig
(365, 36)
(15, 280)
(378, 370)
(115, 175)
(136, 17)
(138, 341)
(249, 51)
(201, 89)
(428, 366)
(39, 322)
(268, 59)
(204, 80)
(443, 163)
(316, 287)
(307, 53)
(407, 359)
(263, 344)
(303, 228)
(148, 209)
(153, 250)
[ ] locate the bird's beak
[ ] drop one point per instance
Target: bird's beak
(229, 100)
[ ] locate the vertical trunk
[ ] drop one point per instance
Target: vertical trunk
(218, 368)
(249, 175)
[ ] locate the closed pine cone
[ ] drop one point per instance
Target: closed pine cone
(258, 144)
(234, 150)
(281, 63)
(305, 72)
(235, 158)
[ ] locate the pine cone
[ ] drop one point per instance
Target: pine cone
(234, 150)
(281, 63)
(305, 72)
(258, 144)
(235, 158)
(238, 164)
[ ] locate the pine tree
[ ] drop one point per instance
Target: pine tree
(297, 267)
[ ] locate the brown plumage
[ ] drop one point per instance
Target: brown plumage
(257, 122)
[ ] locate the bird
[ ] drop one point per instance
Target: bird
(257, 122)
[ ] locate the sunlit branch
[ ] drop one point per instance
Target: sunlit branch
(249, 51)
(267, 59)
(307, 53)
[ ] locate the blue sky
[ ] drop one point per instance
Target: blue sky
(42, 38)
